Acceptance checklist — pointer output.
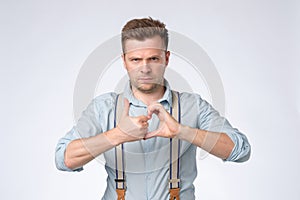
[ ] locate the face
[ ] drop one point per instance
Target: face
(145, 62)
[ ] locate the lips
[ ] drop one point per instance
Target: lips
(145, 79)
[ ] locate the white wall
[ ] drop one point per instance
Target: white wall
(253, 45)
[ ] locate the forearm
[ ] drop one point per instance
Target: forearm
(218, 144)
(81, 151)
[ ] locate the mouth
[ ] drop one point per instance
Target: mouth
(145, 79)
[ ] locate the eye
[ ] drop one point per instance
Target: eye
(154, 58)
(135, 59)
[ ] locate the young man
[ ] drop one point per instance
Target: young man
(146, 130)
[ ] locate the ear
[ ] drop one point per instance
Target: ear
(167, 57)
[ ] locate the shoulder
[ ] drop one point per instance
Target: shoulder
(193, 101)
(104, 101)
(109, 97)
(191, 97)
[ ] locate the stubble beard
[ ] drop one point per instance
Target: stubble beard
(147, 88)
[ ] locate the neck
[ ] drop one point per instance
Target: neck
(149, 97)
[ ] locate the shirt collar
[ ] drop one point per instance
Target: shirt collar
(166, 97)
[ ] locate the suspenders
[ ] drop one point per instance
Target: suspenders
(174, 152)
(174, 187)
(119, 155)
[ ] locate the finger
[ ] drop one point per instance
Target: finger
(145, 124)
(149, 115)
(159, 110)
(142, 118)
(126, 108)
(154, 108)
(151, 112)
(151, 134)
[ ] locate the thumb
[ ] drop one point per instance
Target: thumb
(151, 134)
(126, 108)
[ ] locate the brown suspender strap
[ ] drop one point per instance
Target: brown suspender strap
(121, 194)
(174, 193)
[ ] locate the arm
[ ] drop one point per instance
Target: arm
(215, 135)
(218, 144)
(81, 151)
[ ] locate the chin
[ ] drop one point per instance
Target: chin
(148, 88)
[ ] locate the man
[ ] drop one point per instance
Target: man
(146, 128)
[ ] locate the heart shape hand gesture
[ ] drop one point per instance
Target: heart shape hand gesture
(136, 128)
(168, 126)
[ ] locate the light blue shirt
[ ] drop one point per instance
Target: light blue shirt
(147, 161)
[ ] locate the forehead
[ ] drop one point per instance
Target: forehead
(154, 43)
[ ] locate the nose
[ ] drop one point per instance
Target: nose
(145, 68)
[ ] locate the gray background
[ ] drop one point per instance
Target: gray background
(253, 45)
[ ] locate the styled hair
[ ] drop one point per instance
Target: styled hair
(141, 29)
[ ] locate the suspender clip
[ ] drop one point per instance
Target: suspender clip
(175, 180)
(120, 180)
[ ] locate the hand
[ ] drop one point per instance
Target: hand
(132, 128)
(168, 126)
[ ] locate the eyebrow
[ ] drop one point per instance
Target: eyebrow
(134, 57)
(138, 57)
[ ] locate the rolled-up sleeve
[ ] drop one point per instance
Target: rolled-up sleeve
(209, 119)
(88, 125)
(61, 148)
